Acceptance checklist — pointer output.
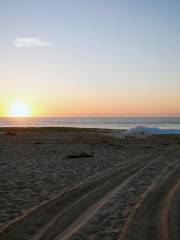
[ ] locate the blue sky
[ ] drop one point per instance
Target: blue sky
(96, 57)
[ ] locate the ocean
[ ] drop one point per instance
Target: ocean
(94, 122)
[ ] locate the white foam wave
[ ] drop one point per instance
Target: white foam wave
(150, 130)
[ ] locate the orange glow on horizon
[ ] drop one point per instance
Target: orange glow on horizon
(94, 108)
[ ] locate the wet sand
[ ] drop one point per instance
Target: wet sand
(65, 183)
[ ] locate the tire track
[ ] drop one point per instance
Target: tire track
(68, 216)
(107, 221)
(47, 221)
(75, 230)
(174, 215)
(151, 218)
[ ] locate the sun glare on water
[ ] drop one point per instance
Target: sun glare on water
(19, 109)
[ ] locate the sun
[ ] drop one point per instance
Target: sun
(19, 109)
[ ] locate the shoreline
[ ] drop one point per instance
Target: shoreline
(135, 131)
(111, 123)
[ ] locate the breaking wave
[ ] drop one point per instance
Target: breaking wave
(151, 130)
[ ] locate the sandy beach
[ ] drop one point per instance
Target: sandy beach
(77, 184)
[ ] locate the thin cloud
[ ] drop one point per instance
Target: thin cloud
(31, 43)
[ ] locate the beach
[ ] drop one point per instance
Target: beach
(75, 183)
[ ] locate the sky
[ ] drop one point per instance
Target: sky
(90, 57)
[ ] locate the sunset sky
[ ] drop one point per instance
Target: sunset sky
(90, 57)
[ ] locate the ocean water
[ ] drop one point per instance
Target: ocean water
(166, 123)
